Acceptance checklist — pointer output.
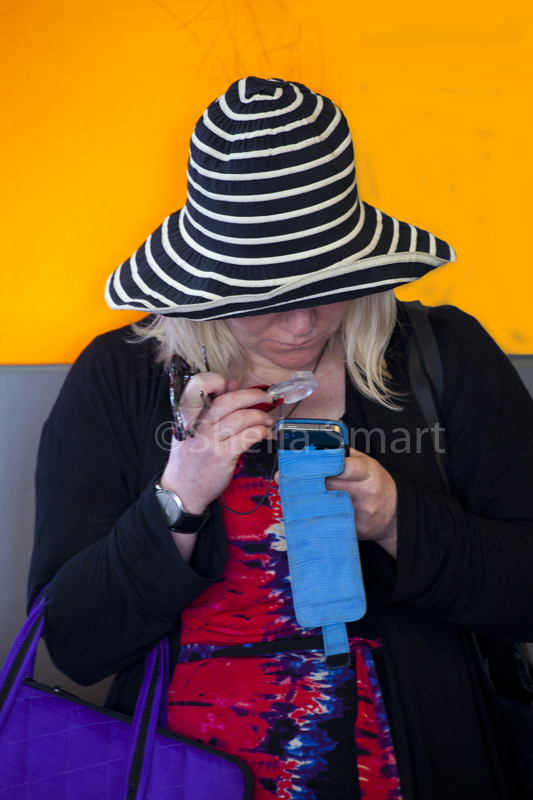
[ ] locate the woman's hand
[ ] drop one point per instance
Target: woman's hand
(201, 467)
(374, 498)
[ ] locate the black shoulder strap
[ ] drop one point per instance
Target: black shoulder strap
(424, 366)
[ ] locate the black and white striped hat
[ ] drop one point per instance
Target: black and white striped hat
(273, 220)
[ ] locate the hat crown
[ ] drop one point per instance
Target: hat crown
(271, 165)
(257, 112)
(260, 88)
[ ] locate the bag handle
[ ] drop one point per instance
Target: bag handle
(145, 721)
(150, 708)
(21, 658)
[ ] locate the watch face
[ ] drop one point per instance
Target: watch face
(169, 507)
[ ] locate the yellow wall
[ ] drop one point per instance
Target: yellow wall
(100, 97)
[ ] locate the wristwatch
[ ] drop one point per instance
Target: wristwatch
(175, 516)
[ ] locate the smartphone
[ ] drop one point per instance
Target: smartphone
(320, 435)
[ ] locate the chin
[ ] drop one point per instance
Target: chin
(295, 361)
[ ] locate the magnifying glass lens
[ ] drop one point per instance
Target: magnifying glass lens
(301, 385)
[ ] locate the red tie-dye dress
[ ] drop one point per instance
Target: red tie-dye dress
(251, 681)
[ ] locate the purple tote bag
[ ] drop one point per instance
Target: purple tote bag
(54, 746)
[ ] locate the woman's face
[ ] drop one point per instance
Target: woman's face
(290, 340)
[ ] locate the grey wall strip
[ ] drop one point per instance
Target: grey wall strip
(524, 367)
(27, 394)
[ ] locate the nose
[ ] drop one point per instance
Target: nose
(299, 321)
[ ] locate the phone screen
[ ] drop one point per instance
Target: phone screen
(316, 436)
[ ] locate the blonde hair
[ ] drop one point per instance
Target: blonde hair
(366, 329)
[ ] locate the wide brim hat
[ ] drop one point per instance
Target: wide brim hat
(273, 220)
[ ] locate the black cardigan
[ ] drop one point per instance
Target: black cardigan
(464, 562)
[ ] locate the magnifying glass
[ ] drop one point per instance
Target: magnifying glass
(300, 386)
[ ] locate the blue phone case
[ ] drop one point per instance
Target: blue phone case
(322, 548)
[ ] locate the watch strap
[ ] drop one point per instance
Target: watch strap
(185, 522)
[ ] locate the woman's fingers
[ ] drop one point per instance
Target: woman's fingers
(241, 442)
(357, 467)
(231, 435)
(221, 396)
(359, 470)
(365, 480)
(238, 422)
(373, 493)
(239, 399)
(210, 383)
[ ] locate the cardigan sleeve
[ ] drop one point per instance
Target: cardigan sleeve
(468, 558)
(116, 579)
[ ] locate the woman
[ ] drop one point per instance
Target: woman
(275, 265)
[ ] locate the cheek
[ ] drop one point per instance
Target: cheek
(332, 315)
(246, 328)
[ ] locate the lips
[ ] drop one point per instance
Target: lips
(298, 345)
